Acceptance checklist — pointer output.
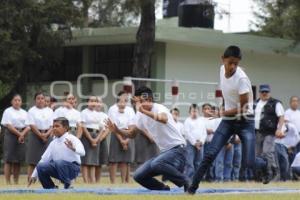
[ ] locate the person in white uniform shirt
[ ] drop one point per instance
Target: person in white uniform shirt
(61, 160)
(15, 131)
(92, 125)
(237, 117)
(103, 147)
(68, 111)
(195, 132)
(40, 120)
(283, 146)
(292, 115)
(121, 148)
(157, 120)
(176, 115)
(269, 119)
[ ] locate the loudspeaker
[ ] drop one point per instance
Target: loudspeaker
(196, 15)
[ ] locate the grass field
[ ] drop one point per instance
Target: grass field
(105, 184)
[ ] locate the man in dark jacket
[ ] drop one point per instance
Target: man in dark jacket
(269, 119)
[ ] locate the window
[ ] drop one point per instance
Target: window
(115, 61)
(69, 68)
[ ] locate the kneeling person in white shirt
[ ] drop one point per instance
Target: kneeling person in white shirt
(61, 159)
(158, 122)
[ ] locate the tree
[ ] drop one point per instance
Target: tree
(279, 18)
(32, 33)
(145, 39)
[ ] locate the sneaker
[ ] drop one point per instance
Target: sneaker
(67, 186)
(186, 186)
(166, 188)
(191, 190)
(269, 174)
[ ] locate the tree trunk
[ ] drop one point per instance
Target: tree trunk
(145, 38)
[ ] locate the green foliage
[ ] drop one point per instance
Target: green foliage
(115, 13)
(31, 34)
(279, 18)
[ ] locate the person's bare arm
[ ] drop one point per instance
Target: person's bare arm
(148, 136)
(102, 135)
(79, 131)
(160, 117)
(279, 133)
(13, 130)
(243, 106)
(86, 133)
(130, 132)
(37, 132)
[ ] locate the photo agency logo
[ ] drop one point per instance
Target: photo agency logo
(107, 91)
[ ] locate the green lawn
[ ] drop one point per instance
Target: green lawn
(105, 184)
(152, 197)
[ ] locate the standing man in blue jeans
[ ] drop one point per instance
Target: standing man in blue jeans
(61, 159)
(237, 117)
(156, 120)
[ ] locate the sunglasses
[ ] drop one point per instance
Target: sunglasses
(264, 92)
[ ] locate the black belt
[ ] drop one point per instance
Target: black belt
(179, 146)
(20, 129)
(43, 131)
(76, 163)
(92, 130)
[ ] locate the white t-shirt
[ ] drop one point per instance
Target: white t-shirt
(217, 122)
(235, 86)
(93, 119)
(180, 127)
(166, 136)
(194, 130)
(209, 124)
(57, 150)
(16, 118)
(296, 162)
(71, 114)
(122, 120)
(260, 105)
(291, 138)
(293, 116)
(42, 118)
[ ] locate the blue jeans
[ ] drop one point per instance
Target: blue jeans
(244, 128)
(223, 164)
(170, 164)
(237, 159)
(59, 169)
(193, 159)
(210, 175)
(283, 161)
(296, 171)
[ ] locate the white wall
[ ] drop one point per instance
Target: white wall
(196, 63)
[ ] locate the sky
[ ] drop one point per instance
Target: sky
(239, 20)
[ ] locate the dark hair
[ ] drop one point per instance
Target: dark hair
(38, 93)
(144, 91)
(120, 94)
(15, 95)
(233, 51)
(206, 104)
(53, 99)
(292, 97)
(193, 106)
(63, 121)
(175, 109)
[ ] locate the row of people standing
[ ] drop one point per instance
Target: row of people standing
(27, 135)
(277, 140)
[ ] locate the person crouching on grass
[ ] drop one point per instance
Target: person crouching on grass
(61, 159)
(159, 123)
